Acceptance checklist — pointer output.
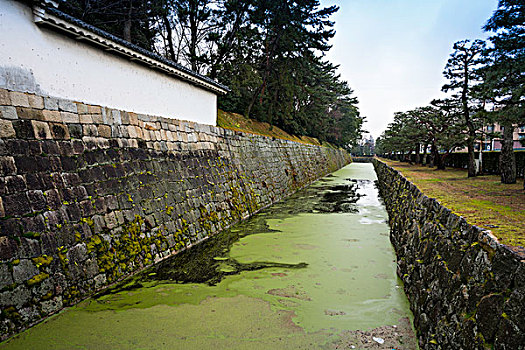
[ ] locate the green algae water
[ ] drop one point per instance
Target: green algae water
(315, 271)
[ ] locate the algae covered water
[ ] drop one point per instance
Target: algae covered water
(315, 271)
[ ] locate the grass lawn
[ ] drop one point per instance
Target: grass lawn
(238, 122)
(482, 200)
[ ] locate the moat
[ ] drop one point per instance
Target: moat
(314, 271)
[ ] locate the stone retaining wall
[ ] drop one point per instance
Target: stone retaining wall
(89, 195)
(466, 290)
(363, 159)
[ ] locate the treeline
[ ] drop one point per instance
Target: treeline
(270, 53)
(485, 85)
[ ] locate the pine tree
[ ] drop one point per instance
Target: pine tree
(129, 19)
(461, 72)
(504, 83)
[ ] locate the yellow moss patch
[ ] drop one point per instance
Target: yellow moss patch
(43, 261)
(37, 279)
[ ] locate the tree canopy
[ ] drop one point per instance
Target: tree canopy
(270, 53)
(486, 84)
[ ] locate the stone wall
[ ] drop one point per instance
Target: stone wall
(363, 159)
(89, 195)
(466, 290)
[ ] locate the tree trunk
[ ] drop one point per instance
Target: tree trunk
(169, 35)
(470, 125)
(507, 159)
(194, 28)
(471, 157)
(126, 32)
(436, 159)
(417, 154)
(442, 164)
(425, 159)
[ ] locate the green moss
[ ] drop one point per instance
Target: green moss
(62, 255)
(31, 235)
(78, 236)
(48, 295)
(37, 279)
(43, 261)
(10, 313)
(126, 251)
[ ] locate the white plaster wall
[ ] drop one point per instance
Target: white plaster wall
(39, 60)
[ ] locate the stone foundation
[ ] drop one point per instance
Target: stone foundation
(90, 195)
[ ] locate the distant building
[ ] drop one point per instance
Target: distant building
(494, 143)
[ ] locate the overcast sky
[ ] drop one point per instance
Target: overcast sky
(392, 52)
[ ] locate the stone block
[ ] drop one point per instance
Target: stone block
(41, 130)
(90, 130)
(94, 109)
(24, 271)
(37, 200)
(15, 183)
(29, 113)
(23, 129)
(125, 118)
(29, 248)
(68, 117)
(59, 131)
(67, 106)
(132, 131)
(117, 119)
(16, 205)
(104, 131)
(77, 254)
(36, 101)
(5, 99)
(7, 166)
(19, 99)
(6, 129)
(52, 305)
(488, 315)
(86, 119)
(97, 118)
(8, 112)
(17, 297)
(5, 276)
(111, 220)
(75, 131)
(8, 247)
(133, 119)
(51, 116)
(82, 108)
(51, 103)
(106, 116)
(100, 281)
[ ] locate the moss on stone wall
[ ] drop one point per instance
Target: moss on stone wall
(84, 211)
(464, 287)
